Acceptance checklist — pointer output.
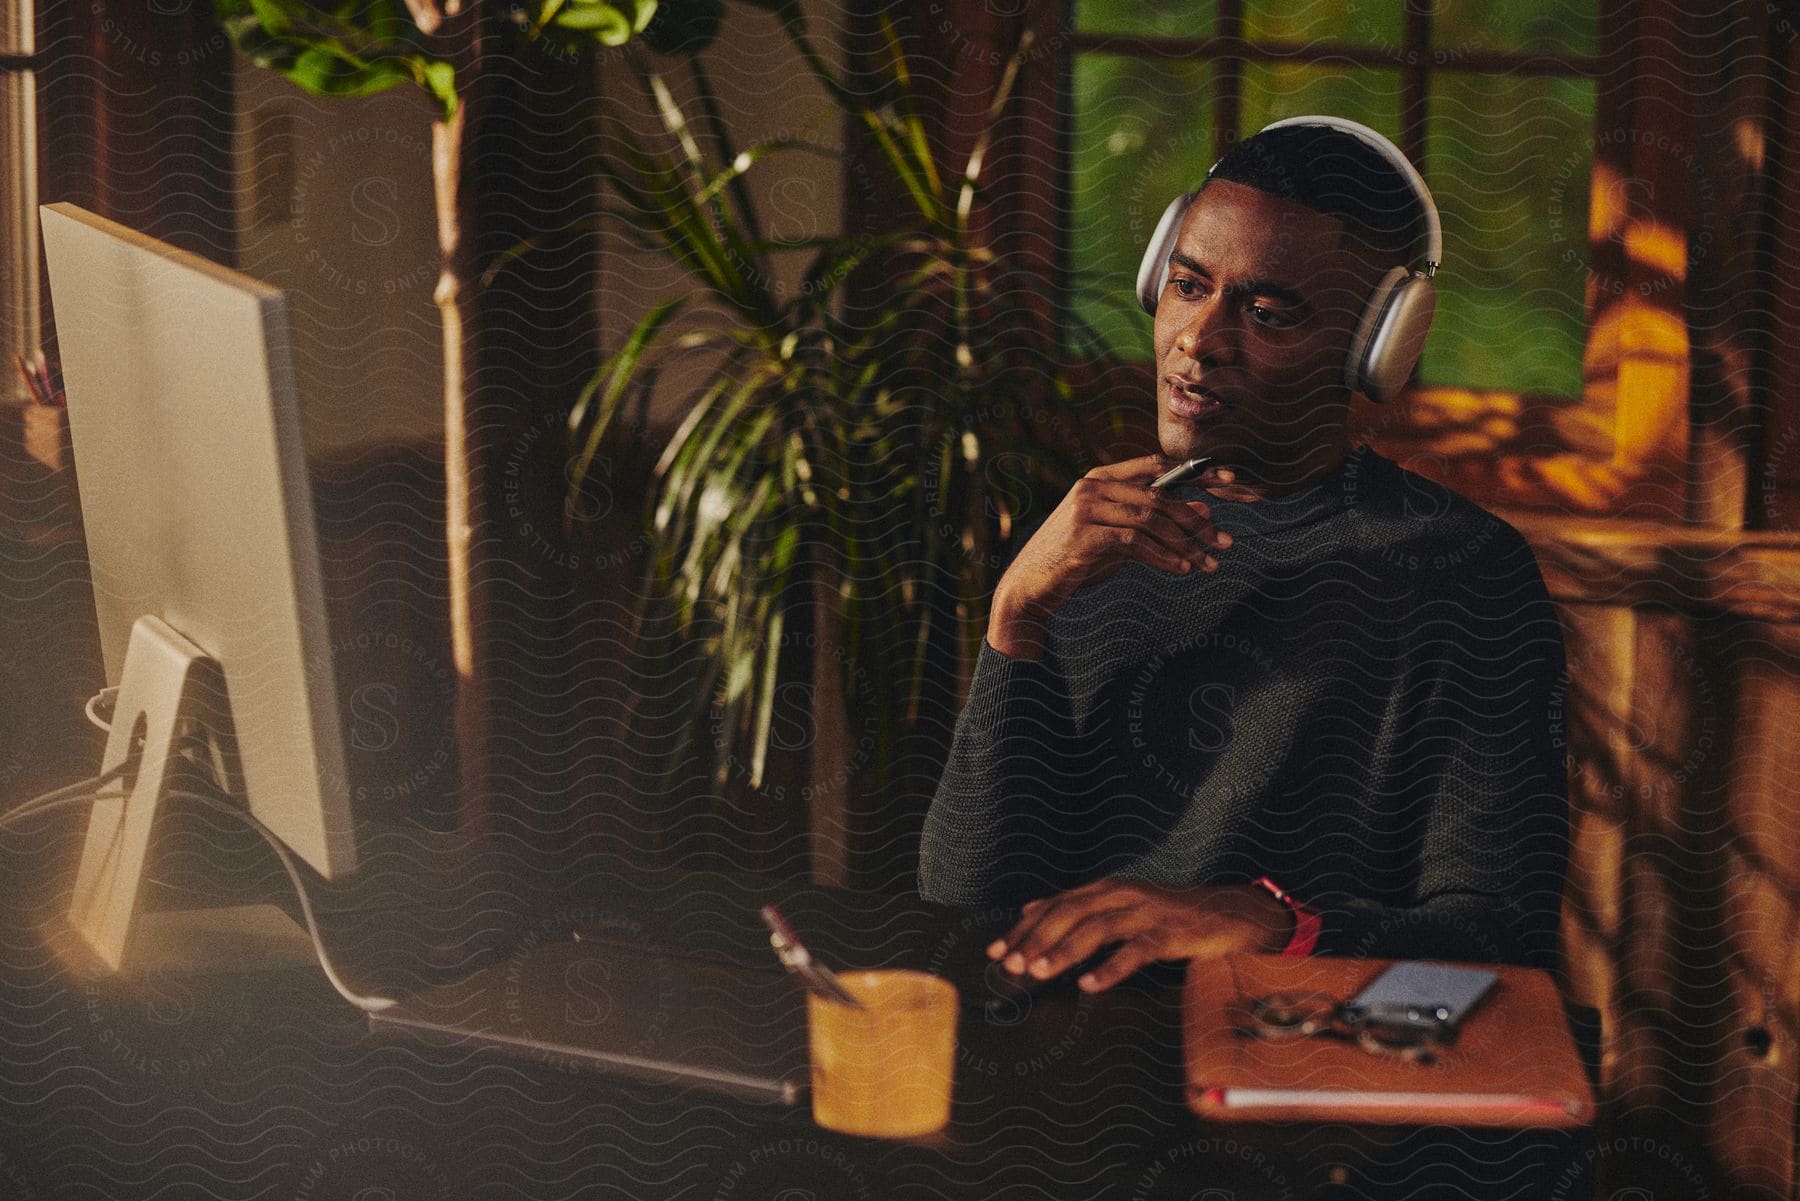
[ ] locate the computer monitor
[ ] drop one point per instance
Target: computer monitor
(191, 466)
(208, 585)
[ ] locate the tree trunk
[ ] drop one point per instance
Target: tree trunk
(517, 349)
(465, 509)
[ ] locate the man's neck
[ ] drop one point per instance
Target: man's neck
(1255, 483)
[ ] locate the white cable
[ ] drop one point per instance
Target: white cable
(92, 708)
(80, 790)
(365, 1003)
(52, 801)
(87, 791)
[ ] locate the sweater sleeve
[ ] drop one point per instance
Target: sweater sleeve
(1485, 777)
(991, 835)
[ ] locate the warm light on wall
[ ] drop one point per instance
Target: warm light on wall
(1654, 245)
(1747, 134)
(1609, 203)
(1634, 326)
(1583, 484)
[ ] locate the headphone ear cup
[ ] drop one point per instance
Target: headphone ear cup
(1391, 334)
(1153, 272)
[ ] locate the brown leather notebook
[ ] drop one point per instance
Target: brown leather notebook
(1512, 1064)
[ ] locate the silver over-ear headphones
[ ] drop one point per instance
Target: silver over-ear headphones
(1392, 330)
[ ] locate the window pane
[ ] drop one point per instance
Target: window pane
(1273, 91)
(1372, 23)
(1534, 26)
(1143, 135)
(1508, 160)
(1161, 18)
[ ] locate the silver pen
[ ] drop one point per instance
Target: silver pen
(1182, 472)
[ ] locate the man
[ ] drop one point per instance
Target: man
(1310, 704)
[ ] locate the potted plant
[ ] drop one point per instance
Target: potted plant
(858, 454)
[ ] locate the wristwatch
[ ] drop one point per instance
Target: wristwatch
(1306, 919)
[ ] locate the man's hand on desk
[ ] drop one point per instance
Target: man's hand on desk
(1110, 517)
(1148, 921)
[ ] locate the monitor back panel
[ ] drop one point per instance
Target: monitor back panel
(192, 469)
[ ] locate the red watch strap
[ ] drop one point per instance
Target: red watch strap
(1306, 920)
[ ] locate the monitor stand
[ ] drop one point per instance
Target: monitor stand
(168, 688)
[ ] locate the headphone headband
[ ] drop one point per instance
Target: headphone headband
(1434, 230)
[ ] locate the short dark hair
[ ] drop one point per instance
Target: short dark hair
(1335, 173)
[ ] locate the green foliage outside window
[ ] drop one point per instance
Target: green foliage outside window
(1529, 26)
(1357, 22)
(1509, 161)
(1143, 135)
(1156, 18)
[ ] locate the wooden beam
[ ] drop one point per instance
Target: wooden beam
(1228, 81)
(1415, 81)
(1651, 422)
(1484, 62)
(1773, 494)
(1728, 286)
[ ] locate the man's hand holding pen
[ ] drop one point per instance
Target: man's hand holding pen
(1110, 517)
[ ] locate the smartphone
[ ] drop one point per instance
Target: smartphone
(1415, 994)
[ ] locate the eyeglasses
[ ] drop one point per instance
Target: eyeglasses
(1286, 1017)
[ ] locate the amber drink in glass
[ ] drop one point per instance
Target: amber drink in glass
(884, 1070)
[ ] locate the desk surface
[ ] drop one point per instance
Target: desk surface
(270, 1086)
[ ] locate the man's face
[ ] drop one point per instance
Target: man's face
(1252, 329)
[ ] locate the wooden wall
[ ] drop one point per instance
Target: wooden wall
(1679, 920)
(1664, 507)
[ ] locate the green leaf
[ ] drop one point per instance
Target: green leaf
(924, 161)
(440, 81)
(924, 199)
(676, 122)
(611, 383)
(682, 442)
(764, 708)
(682, 486)
(741, 163)
(703, 241)
(273, 16)
(328, 72)
(338, 47)
(604, 22)
(702, 576)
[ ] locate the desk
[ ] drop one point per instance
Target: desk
(272, 1087)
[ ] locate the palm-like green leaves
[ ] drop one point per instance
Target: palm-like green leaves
(360, 47)
(853, 458)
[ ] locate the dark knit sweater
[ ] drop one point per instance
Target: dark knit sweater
(1364, 704)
